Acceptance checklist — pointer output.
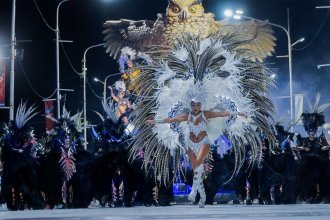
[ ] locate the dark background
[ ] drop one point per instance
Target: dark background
(81, 21)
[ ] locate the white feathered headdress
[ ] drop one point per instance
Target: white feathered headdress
(129, 52)
(120, 86)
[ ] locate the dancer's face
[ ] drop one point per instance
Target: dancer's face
(195, 107)
(67, 141)
(129, 64)
(312, 134)
(121, 94)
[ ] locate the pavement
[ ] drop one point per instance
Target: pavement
(180, 212)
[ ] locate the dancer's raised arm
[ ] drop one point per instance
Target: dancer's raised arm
(209, 115)
(179, 118)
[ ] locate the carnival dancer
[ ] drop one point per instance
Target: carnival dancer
(110, 157)
(124, 105)
(314, 150)
(127, 68)
(66, 178)
(117, 181)
(19, 185)
(207, 77)
(199, 143)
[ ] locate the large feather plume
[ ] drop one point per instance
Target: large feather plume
(209, 69)
(316, 107)
(23, 115)
(110, 111)
(315, 117)
(75, 119)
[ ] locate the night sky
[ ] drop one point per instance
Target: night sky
(81, 21)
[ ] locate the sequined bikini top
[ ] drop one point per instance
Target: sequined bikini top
(200, 127)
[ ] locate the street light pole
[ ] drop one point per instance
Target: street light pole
(84, 72)
(104, 87)
(328, 64)
(287, 32)
(290, 70)
(12, 63)
(322, 7)
(323, 65)
(58, 95)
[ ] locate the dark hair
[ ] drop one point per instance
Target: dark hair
(195, 102)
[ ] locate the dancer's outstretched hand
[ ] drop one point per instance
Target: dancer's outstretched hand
(150, 122)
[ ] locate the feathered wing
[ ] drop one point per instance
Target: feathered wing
(229, 82)
(138, 35)
(258, 36)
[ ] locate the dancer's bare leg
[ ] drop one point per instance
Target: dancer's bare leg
(201, 156)
(192, 157)
(197, 164)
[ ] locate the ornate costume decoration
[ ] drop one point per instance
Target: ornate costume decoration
(110, 132)
(67, 163)
(18, 146)
(314, 154)
(210, 72)
(128, 63)
(188, 17)
(67, 137)
(123, 102)
(65, 141)
(18, 134)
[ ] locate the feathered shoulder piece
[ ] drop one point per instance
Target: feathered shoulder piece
(110, 132)
(24, 114)
(210, 71)
(20, 124)
(313, 119)
(110, 121)
(19, 130)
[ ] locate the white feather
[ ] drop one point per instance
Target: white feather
(164, 73)
(145, 57)
(100, 115)
(109, 109)
(181, 54)
(120, 86)
(326, 126)
(164, 132)
(65, 113)
(182, 91)
(206, 43)
(127, 51)
(23, 115)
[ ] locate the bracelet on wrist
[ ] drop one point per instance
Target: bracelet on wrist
(159, 121)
